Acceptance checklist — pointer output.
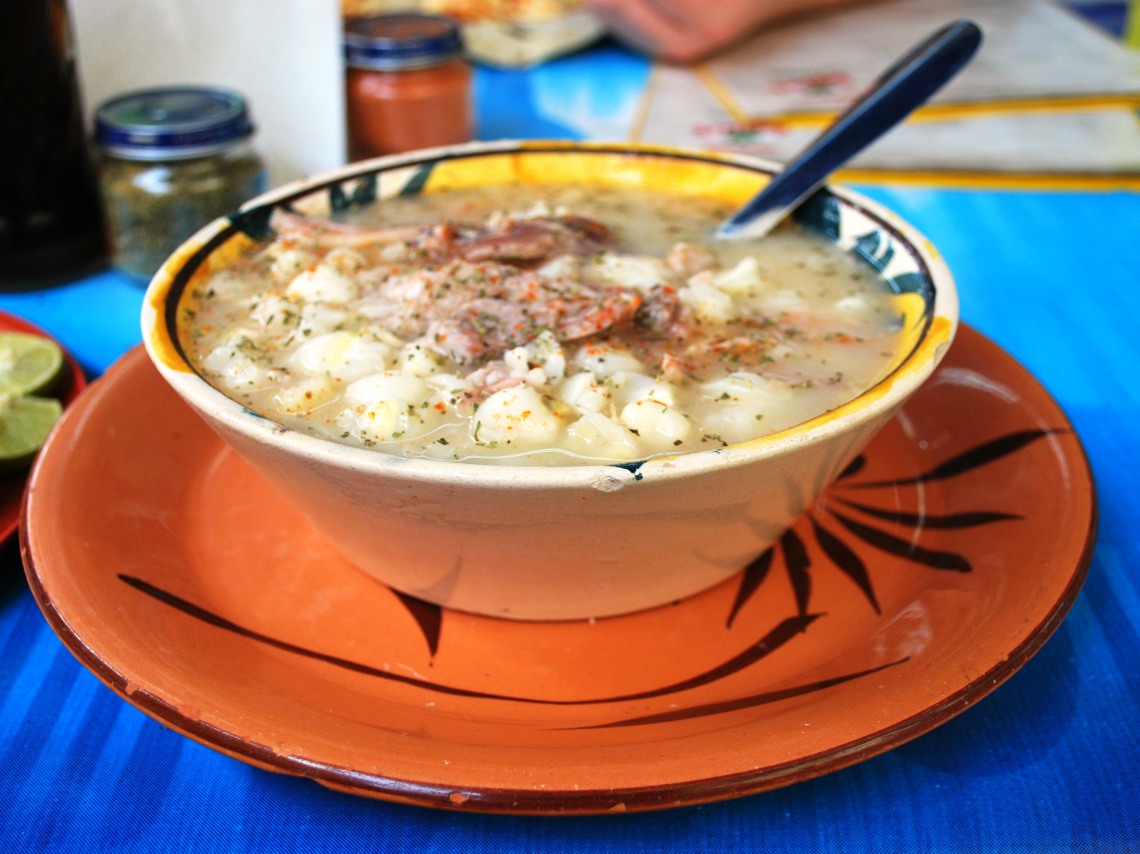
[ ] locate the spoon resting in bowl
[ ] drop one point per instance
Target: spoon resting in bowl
(894, 95)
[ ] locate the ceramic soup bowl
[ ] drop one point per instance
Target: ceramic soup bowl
(560, 542)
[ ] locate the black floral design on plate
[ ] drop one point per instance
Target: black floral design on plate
(839, 549)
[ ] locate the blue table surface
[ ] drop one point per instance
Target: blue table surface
(1047, 762)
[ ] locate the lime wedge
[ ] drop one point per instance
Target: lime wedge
(29, 364)
(24, 425)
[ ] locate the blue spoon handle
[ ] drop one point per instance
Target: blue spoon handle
(897, 92)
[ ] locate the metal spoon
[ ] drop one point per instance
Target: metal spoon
(897, 92)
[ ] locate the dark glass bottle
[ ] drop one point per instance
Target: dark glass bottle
(51, 224)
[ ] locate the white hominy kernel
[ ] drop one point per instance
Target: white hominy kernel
(393, 253)
(657, 425)
(387, 407)
(323, 283)
(273, 312)
(631, 271)
(388, 385)
(518, 416)
(739, 398)
(344, 261)
(709, 303)
(628, 386)
(546, 352)
(518, 361)
(345, 356)
(604, 360)
(302, 398)
(318, 318)
(235, 369)
(288, 261)
(584, 393)
(561, 267)
(663, 393)
(383, 421)
(742, 280)
(596, 435)
(447, 384)
(418, 361)
(536, 377)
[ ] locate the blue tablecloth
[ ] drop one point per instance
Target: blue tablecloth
(1047, 762)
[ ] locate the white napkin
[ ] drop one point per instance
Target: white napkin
(1046, 93)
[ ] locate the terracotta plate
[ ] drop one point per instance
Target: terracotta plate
(12, 486)
(942, 560)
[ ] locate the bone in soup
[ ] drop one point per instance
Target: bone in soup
(578, 325)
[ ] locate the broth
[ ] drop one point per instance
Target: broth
(581, 325)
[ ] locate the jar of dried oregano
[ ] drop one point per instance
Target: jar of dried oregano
(172, 160)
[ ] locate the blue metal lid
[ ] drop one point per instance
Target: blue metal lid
(396, 42)
(172, 123)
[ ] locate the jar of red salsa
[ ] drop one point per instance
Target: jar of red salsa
(407, 84)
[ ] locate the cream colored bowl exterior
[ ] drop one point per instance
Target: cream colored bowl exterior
(547, 543)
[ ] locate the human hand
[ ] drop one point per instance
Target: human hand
(689, 30)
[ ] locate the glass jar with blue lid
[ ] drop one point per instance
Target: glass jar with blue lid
(172, 160)
(407, 84)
